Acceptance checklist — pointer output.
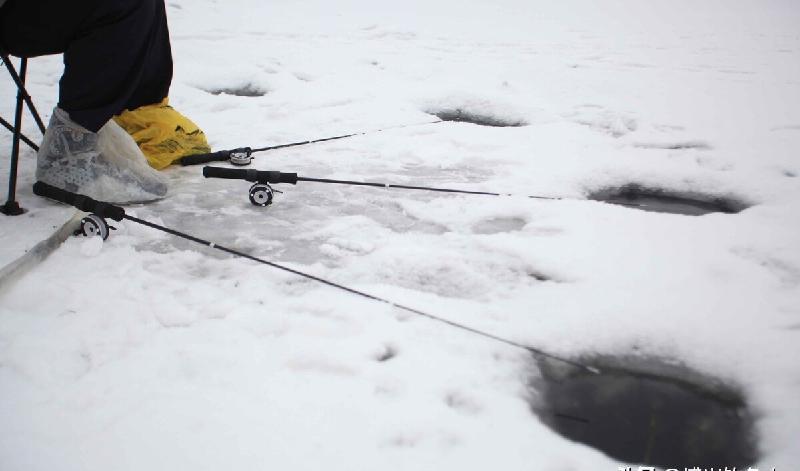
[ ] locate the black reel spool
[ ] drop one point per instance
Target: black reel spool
(93, 226)
(261, 194)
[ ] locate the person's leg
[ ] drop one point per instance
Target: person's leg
(117, 54)
(119, 58)
(120, 64)
(31, 28)
(114, 56)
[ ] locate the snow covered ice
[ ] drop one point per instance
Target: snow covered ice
(152, 353)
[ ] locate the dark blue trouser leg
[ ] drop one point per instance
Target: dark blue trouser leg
(117, 53)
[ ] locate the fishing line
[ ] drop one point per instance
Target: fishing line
(261, 192)
(244, 155)
(101, 210)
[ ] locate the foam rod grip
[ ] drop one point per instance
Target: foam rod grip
(251, 175)
(229, 173)
(82, 202)
(219, 156)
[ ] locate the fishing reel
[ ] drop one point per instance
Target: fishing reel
(241, 157)
(261, 194)
(94, 226)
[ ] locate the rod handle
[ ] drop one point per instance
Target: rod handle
(219, 156)
(251, 175)
(82, 202)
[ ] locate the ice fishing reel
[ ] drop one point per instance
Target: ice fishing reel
(261, 192)
(95, 223)
(239, 157)
(94, 226)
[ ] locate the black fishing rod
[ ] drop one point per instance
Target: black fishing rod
(244, 155)
(95, 224)
(262, 194)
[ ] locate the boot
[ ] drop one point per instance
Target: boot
(107, 165)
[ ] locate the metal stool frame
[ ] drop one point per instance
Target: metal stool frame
(11, 206)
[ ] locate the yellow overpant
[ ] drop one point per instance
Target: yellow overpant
(163, 134)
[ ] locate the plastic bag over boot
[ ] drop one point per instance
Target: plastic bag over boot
(106, 166)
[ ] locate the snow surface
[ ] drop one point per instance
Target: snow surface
(150, 353)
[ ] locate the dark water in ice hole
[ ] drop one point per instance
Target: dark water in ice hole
(674, 418)
(661, 201)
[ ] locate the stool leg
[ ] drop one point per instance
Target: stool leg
(20, 82)
(24, 138)
(12, 208)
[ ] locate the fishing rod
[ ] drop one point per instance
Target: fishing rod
(244, 155)
(262, 193)
(95, 225)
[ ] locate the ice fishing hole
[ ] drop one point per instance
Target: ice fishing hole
(664, 201)
(246, 90)
(461, 116)
(648, 412)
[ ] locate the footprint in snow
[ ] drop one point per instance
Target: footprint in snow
(603, 120)
(387, 353)
(498, 225)
(245, 90)
(463, 403)
(683, 145)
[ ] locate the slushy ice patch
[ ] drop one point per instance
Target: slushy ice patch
(665, 201)
(646, 411)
